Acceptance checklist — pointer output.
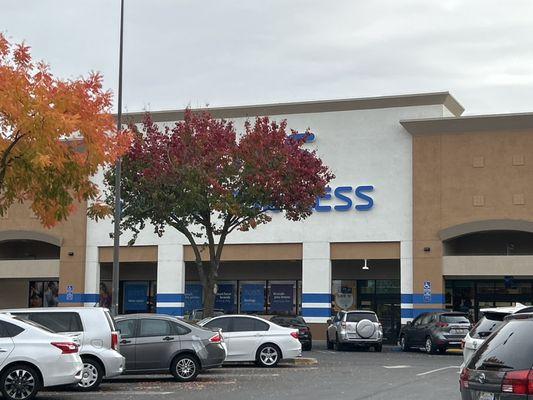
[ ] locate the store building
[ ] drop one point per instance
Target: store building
(422, 203)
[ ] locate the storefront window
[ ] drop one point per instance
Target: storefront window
(225, 298)
(43, 294)
(387, 286)
(282, 297)
(252, 297)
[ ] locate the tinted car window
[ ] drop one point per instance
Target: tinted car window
(56, 321)
(417, 320)
(486, 325)
(180, 329)
(425, 319)
(154, 327)
(510, 348)
(12, 330)
(9, 330)
(126, 328)
(287, 321)
(454, 319)
(249, 325)
(356, 317)
(220, 323)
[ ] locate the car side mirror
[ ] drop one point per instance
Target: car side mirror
(328, 322)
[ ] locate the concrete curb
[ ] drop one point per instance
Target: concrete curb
(301, 361)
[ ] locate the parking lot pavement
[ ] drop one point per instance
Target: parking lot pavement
(352, 374)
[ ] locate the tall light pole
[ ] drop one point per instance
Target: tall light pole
(118, 171)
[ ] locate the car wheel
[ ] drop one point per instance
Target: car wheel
(185, 368)
(329, 344)
(268, 355)
(429, 347)
(338, 345)
(92, 375)
(403, 343)
(20, 382)
(378, 348)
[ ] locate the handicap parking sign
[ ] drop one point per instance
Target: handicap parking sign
(427, 291)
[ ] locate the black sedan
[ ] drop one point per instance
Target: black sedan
(296, 322)
(435, 331)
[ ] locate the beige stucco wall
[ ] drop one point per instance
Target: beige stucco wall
(14, 293)
(71, 234)
(465, 177)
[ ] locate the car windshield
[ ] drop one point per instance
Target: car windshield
(486, 325)
(289, 321)
(511, 348)
(359, 316)
(454, 319)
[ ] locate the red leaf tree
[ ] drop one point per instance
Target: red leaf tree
(206, 181)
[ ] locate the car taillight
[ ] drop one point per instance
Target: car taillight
(462, 344)
(294, 335)
(463, 379)
(441, 324)
(114, 340)
(66, 347)
(216, 338)
(518, 382)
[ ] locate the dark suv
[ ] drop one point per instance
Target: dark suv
(501, 367)
(435, 331)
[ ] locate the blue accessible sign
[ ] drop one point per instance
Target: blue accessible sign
(427, 292)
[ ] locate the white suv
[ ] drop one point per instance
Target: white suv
(491, 320)
(31, 357)
(93, 329)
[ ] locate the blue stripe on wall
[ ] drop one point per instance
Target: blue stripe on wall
(407, 298)
(178, 311)
(170, 297)
(418, 298)
(436, 298)
(316, 312)
(415, 312)
(316, 298)
(79, 298)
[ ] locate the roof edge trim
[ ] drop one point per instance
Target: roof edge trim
(365, 103)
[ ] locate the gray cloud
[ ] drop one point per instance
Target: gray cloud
(224, 52)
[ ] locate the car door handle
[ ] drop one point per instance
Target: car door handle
(168, 338)
(3, 351)
(124, 341)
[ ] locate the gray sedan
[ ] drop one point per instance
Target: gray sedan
(153, 343)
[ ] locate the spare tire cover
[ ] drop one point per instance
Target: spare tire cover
(365, 328)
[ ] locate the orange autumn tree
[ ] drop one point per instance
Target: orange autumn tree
(54, 135)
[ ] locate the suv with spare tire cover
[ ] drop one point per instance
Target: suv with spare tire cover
(356, 328)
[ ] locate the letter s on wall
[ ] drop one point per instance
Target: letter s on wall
(360, 192)
(347, 206)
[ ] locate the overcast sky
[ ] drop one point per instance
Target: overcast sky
(234, 52)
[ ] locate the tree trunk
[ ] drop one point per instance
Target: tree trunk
(209, 290)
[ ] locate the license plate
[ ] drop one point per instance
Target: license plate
(486, 396)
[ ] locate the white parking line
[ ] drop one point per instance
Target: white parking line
(438, 370)
(396, 366)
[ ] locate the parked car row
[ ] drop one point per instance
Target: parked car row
(81, 346)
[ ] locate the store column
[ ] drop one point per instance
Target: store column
(316, 282)
(406, 280)
(91, 295)
(170, 279)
